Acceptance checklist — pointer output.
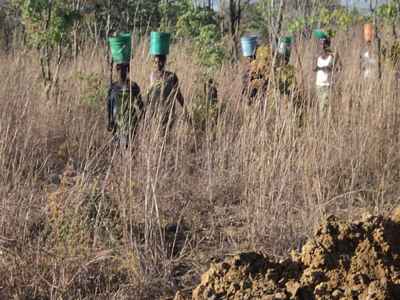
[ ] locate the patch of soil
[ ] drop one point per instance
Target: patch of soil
(359, 260)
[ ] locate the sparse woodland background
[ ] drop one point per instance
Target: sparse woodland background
(81, 219)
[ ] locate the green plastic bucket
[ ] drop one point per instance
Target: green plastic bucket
(159, 43)
(121, 47)
(284, 45)
(319, 34)
(287, 40)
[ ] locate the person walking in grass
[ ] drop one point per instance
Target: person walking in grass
(285, 76)
(164, 91)
(124, 100)
(254, 83)
(369, 60)
(284, 71)
(326, 66)
(248, 76)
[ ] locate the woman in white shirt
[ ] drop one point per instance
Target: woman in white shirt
(326, 65)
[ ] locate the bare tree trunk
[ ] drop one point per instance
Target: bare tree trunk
(54, 83)
(372, 7)
(76, 7)
(222, 16)
(235, 16)
(108, 29)
(280, 18)
(45, 55)
(235, 9)
(397, 8)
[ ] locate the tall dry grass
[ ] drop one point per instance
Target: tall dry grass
(80, 219)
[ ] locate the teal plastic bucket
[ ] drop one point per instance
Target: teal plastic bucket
(249, 45)
(121, 48)
(285, 44)
(319, 34)
(159, 43)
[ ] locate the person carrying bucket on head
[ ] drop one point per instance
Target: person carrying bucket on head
(284, 72)
(325, 67)
(369, 65)
(164, 89)
(285, 78)
(124, 100)
(253, 81)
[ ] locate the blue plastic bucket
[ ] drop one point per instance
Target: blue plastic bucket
(249, 45)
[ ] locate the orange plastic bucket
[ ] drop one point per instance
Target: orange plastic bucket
(368, 32)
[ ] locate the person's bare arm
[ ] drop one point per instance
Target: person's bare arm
(337, 63)
(109, 100)
(179, 96)
(315, 67)
(138, 96)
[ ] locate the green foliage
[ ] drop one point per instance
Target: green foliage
(208, 46)
(258, 16)
(192, 20)
(298, 24)
(139, 14)
(389, 12)
(121, 15)
(331, 20)
(170, 12)
(47, 22)
(199, 25)
(341, 19)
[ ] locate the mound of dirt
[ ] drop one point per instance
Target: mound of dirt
(358, 260)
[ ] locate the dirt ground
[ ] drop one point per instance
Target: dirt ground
(359, 260)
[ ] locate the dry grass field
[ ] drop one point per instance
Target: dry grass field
(81, 219)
